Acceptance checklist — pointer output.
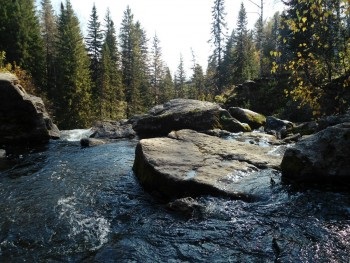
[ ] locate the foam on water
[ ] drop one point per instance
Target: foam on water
(75, 135)
(90, 228)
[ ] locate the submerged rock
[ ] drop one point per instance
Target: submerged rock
(89, 142)
(23, 117)
(180, 114)
(188, 163)
(186, 206)
(320, 158)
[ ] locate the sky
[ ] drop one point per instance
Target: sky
(182, 26)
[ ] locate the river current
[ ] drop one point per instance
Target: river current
(65, 203)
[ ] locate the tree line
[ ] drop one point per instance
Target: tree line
(109, 75)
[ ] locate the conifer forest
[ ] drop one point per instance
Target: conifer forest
(301, 57)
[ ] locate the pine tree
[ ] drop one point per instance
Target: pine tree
(74, 83)
(94, 46)
(48, 22)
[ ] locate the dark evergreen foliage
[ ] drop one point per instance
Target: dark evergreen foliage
(21, 38)
(73, 90)
(94, 46)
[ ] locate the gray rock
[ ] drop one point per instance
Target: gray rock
(280, 128)
(23, 117)
(113, 130)
(218, 133)
(306, 128)
(322, 157)
(180, 114)
(253, 119)
(312, 127)
(188, 163)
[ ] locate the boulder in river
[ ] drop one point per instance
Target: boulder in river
(23, 117)
(90, 142)
(180, 114)
(320, 158)
(280, 128)
(188, 163)
(113, 130)
(253, 119)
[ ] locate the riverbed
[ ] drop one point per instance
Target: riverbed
(64, 203)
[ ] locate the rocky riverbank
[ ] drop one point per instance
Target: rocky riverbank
(23, 117)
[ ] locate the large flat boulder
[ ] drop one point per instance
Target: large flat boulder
(23, 117)
(188, 163)
(320, 158)
(180, 114)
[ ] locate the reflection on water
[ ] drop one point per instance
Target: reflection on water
(68, 204)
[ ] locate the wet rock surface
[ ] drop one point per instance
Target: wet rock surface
(23, 117)
(188, 163)
(320, 158)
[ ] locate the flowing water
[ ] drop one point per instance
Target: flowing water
(65, 203)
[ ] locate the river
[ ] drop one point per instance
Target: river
(64, 203)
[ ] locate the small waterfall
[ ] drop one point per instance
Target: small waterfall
(75, 135)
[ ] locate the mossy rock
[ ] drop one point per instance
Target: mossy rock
(253, 119)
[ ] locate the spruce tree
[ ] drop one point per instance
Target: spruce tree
(245, 63)
(218, 31)
(126, 55)
(48, 22)
(111, 96)
(180, 79)
(142, 68)
(228, 64)
(94, 46)
(135, 68)
(73, 90)
(21, 38)
(157, 69)
(167, 88)
(198, 83)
